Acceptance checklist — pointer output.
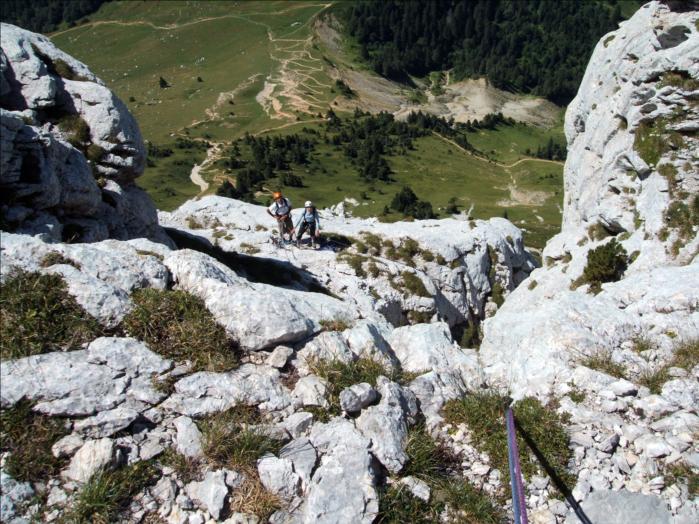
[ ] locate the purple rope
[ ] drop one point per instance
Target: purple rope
(514, 449)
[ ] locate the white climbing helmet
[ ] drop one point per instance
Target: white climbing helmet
(308, 204)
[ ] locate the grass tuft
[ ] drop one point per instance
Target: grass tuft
(37, 315)
(601, 360)
(177, 325)
(434, 464)
(187, 469)
(54, 258)
(334, 325)
(605, 263)
(483, 413)
(108, 493)
(413, 284)
(682, 473)
(340, 375)
(28, 436)
(229, 439)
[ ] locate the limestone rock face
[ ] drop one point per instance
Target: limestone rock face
(458, 263)
(631, 168)
(70, 148)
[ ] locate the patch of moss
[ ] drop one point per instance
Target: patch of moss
(76, 129)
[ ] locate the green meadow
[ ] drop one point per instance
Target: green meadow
(255, 67)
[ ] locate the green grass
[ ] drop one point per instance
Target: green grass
(233, 55)
(601, 360)
(228, 441)
(229, 51)
(37, 315)
(167, 181)
(433, 464)
(177, 325)
(108, 493)
(413, 285)
(483, 413)
(509, 143)
(28, 436)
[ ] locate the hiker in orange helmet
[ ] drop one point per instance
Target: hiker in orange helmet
(280, 210)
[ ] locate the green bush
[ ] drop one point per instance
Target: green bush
(483, 413)
(605, 263)
(407, 251)
(94, 153)
(28, 436)
(177, 325)
(37, 315)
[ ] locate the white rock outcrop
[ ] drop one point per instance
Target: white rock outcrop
(70, 148)
(639, 83)
(465, 260)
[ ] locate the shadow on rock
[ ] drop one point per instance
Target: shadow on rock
(255, 269)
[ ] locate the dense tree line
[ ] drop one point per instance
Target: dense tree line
(44, 16)
(551, 151)
(534, 46)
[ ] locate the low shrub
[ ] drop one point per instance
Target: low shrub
(249, 248)
(177, 325)
(37, 315)
(483, 413)
(605, 263)
(373, 241)
(28, 436)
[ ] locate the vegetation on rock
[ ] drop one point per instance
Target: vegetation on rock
(28, 437)
(177, 325)
(37, 315)
(538, 425)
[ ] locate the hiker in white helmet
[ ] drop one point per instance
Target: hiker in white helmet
(310, 220)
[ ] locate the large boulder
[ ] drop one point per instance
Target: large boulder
(70, 148)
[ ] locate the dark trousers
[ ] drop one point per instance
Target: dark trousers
(311, 226)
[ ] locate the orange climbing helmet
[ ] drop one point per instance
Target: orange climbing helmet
(276, 195)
